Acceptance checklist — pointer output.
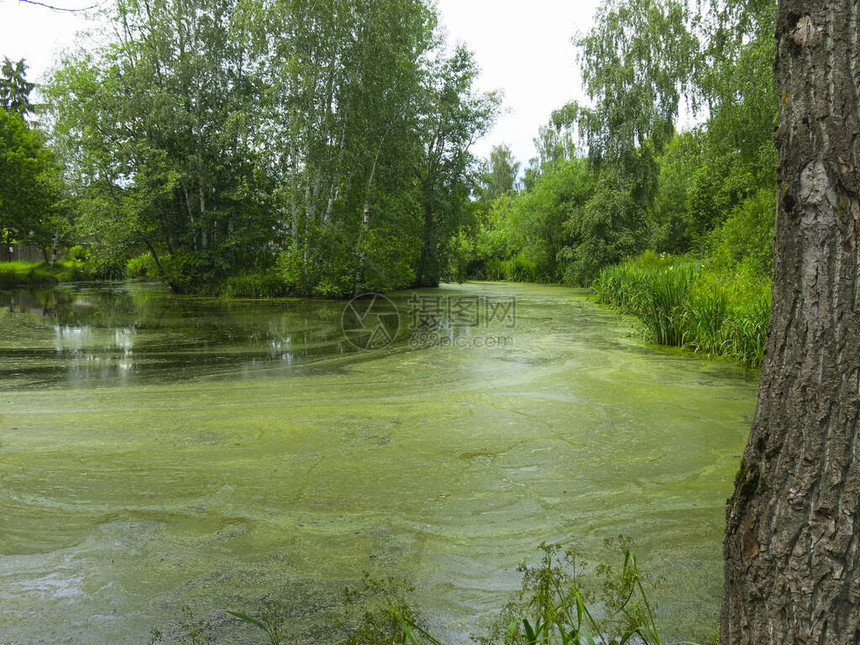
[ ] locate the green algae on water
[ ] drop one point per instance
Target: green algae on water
(159, 451)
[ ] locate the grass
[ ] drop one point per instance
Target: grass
(14, 275)
(684, 304)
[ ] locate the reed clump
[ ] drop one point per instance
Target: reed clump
(682, 303)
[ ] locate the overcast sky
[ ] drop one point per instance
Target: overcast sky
(523, 49)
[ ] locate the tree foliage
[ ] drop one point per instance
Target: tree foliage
(15, 89)
(708, 190)
(30, 185)
(326, 142)
(636, 60)
(500, 174)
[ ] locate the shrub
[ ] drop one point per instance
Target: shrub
(143, 267)
(256, 285)
(495, 269)
(745, 239)
(78, 253)
(520, 269)
(185, 271)
(99, 268)
(296, 272)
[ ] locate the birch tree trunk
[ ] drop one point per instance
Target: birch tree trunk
(792, 547)
(365, 221)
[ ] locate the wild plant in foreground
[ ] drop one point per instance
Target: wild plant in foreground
(560, 603)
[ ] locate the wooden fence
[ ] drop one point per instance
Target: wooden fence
(19, 253)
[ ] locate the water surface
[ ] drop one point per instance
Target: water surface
(159, 451)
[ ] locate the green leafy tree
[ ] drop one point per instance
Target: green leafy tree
(738, 176)
(553, 143)
(15, 89)
(675, 229)
(500, 176)
(539, 220)
(606, 229)
(158, 126)
(290, 137)
(708, 191)
(30, 186)
(637, 60)
(457, 114)
(348, 77)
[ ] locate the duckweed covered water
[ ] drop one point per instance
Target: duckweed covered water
(159, 451)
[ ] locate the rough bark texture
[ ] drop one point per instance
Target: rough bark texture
(792, 548)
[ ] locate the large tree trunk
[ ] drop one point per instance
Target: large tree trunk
(792, 548)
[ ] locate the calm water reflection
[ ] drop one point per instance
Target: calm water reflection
(134, 334)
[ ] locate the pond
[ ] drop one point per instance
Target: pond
(159, 451)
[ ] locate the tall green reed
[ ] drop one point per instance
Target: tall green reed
(683, 304)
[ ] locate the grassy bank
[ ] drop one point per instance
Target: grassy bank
(681, 303)
(15, 275)
(260, 284)
(80, 266)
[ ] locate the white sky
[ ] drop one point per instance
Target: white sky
(523, 48)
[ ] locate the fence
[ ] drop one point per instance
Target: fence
(19, 253)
